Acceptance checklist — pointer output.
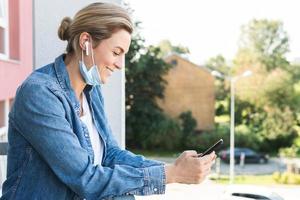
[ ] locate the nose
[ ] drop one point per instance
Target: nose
(120, 63)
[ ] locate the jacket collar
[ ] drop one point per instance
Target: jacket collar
(65, 83)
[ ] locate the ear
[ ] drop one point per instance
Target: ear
(83, 39)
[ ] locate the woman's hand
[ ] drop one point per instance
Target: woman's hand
(189, 168)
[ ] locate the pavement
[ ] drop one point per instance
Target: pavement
(209, 190)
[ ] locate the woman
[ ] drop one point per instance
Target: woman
(60, 143)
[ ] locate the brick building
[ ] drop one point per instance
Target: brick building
(190, 87)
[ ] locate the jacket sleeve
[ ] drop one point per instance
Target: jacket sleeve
(39, 116)
(117, 156)
(114, 154)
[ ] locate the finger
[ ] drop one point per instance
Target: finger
(190, 153)
(205, 159)
(215, 157)
(199, 154)
(207, 171)
(212, 155)
(213, 161)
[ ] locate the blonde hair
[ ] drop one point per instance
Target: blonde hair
(100, 20)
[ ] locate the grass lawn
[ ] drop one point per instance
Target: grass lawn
(246, 179)
(155, 153)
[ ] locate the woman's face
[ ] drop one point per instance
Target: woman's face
(109, 55)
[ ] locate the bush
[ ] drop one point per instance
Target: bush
(244, 137)
(188, 125)
(286, 178)
(200, 142)
(293, 151)
(188, 122)
(166, 136)
(290, 152)
(276, 176)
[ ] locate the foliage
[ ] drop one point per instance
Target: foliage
(222, 94)
(167, 48)
(219, 64)
(286, 178)
(200, 142)
(144, 83)
(265, 100)
(292, 151)
(245, 179)
(278, 123)
(244, 137)
(165, 129)
(147, 127)
(267, 104)
(188, 124)
(267, 41)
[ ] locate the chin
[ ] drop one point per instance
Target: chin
(103, 80)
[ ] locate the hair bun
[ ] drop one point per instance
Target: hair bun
(63, 30)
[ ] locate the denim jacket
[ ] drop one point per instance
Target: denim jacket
(50, 154)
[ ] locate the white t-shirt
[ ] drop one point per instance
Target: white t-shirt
(87, 119)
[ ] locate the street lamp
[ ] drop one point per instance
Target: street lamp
(232, 90)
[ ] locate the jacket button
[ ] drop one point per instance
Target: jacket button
(155, 189)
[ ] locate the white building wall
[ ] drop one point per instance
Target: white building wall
(47, 46)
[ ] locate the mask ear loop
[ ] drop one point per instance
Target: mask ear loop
(92, 53)
(94, 65)
(82, 56)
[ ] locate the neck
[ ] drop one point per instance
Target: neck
(77, 82)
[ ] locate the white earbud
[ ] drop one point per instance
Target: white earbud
(86, 43)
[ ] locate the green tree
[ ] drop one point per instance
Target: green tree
(219, 64)
(167, 48)
(222, 92)
(267, 41)
(271, 92)
(144, 83)
(188, 124)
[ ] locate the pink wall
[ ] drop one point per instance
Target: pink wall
(14, 29)
(1, 113)
(13, 72)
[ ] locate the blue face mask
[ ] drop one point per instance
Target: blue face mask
(91, 76)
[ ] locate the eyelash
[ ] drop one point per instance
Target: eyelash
(116, 54)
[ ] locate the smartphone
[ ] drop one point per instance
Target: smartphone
(212, 148)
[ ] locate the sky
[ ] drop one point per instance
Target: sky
(212, 27)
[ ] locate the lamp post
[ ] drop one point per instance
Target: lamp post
(232, 91)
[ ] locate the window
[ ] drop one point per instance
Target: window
(4, 44)
(4, 110)
(174, 62)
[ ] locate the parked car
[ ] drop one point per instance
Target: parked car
(247, 192)
(250, 155)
